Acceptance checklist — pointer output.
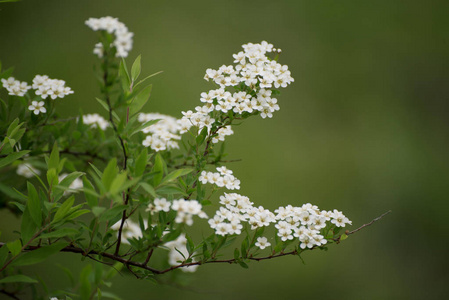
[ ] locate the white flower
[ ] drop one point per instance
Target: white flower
(37, 107)
(162, 204)
(123, 38)
(339, 219)
(165, 133)
(27, 170)
(262, 242)
(15, 87)
(95, 120)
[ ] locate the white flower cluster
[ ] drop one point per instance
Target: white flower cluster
(43, 85)
(238, 209)
(253, 77)
(26, 170)
(162, 135)
(303, 222)
(175, 257)
(123, 42)
(186, 209)
(222, 178)
(95, 120)
(15, 87)
(55, 88)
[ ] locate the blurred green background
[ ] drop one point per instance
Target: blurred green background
(364, 127)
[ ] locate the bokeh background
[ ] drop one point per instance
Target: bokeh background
(364, 127)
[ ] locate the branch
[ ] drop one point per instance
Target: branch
(124, 217)
(368, 224)
(128, 262)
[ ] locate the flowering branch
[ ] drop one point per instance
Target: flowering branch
(144, 265)
(151, 175)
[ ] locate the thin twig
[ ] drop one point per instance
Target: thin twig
(368, 224)
(150, 253)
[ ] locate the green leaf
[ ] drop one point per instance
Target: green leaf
(124, 76)
(20, 195)
(98, 210)
(118, 181)
(15, 247)
(18, 278)
(109, 173)
(143, 126)
(106, 107)
(148, 188)
(244, 248)
(201, 137)
(76, 212)
(28, 226)
(12, 157)
(9, 192)
(12, 127)
(135, 69)
(259, 233)
(190, 245)
(236, 254)
(34, 204)
(98, 172)
(139, 101)
(159, 168)
(53, 162)
(52, 177)
(112, 212)
(169, 190)
(243, 265)
(343, 237)
(65, 184)
(36, 256)
(59, 233)
(63, 209)
(157, 73)
(279, 246)
(141, 163)
(175, 174)
(91, 199)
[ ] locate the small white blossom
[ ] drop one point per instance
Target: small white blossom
(262, 242)
(95, 120)
(37, 107)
